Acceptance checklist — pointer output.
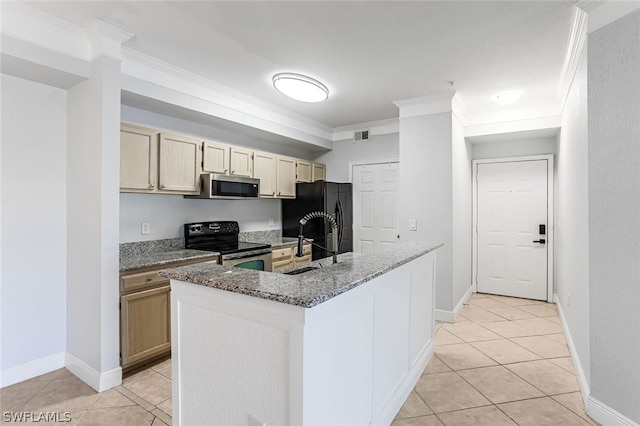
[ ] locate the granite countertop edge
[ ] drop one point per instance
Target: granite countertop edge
(305, 290)
(160, 259)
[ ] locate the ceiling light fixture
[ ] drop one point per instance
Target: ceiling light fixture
(506, 98)
(300, 87)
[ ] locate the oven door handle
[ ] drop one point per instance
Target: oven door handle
(246, 254)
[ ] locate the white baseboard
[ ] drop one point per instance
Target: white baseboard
(99, 381)
(452, 316)
(597, 410)
(28, 370)
(606, 415)
(577, 365)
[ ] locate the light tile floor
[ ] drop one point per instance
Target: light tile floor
(143, 399)
(504, 362)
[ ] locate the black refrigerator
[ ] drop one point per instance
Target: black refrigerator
(329, 197)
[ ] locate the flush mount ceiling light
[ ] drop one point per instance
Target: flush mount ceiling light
(300, 87)
(506, 98)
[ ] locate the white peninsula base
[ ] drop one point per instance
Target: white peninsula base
(353, 359)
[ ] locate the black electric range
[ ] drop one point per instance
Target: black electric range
(222, 237)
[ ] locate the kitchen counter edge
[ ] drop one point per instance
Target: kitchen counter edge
(309, 289)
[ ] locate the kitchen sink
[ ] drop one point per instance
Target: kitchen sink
(301, 270)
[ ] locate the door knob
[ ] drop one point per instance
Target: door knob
(541, 241)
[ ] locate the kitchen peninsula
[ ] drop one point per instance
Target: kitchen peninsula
(339, 344)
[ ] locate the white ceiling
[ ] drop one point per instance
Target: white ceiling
(369, 53)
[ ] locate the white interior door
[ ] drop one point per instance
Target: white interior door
(375, 192)
(511, 206)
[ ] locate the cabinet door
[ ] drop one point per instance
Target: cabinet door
(241, 162)
(215, 157)
(179, 164)
(319, 172)
(303, 171)
(145, 324)
(138, 159)
(286, 177)
(264, 168)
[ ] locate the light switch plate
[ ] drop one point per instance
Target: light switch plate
(145, 228)
(413, 225)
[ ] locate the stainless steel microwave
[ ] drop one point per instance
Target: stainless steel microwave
(215, 186)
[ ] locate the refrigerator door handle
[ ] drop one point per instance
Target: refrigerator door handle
(340, 224)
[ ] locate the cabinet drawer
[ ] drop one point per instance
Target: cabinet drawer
(281, 254)
(141, 280)
(279, 266)
(301, 260)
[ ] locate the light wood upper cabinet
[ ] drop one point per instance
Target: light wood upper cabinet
(241, 162)
(319, 172)
(138, 159)
(285, 177)
(179, 170)
(264, 168)
(215, 157)
(303, 171)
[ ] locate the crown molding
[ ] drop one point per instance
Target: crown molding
(575, 47)
(379, 127)
(106, 39)
(426, 105)
(604, 12)
(31, 25)
(513, 126)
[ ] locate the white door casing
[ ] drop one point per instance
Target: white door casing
(375, 197)
(512, 197)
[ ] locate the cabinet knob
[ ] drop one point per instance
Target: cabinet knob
(149, 279)
(161, 186)
(279, 193)
(226, 170)
(233, 172)
(150, 186)
(274, 193)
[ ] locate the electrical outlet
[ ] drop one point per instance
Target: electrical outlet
(413, 225)
(145, 228)
(271, 221)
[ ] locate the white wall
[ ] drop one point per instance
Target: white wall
(33, 263)
(571, 257)
(614, 214)
(426, 191)
(380, 147)
(167, 213)
(462, 211)
(516, 148)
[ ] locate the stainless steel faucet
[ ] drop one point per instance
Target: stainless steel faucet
(334, 227)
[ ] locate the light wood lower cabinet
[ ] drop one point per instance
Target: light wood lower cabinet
(285, 257)
(145, 315)
(146, 324)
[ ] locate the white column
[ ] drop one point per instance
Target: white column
(431, 147)
(93, 164)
